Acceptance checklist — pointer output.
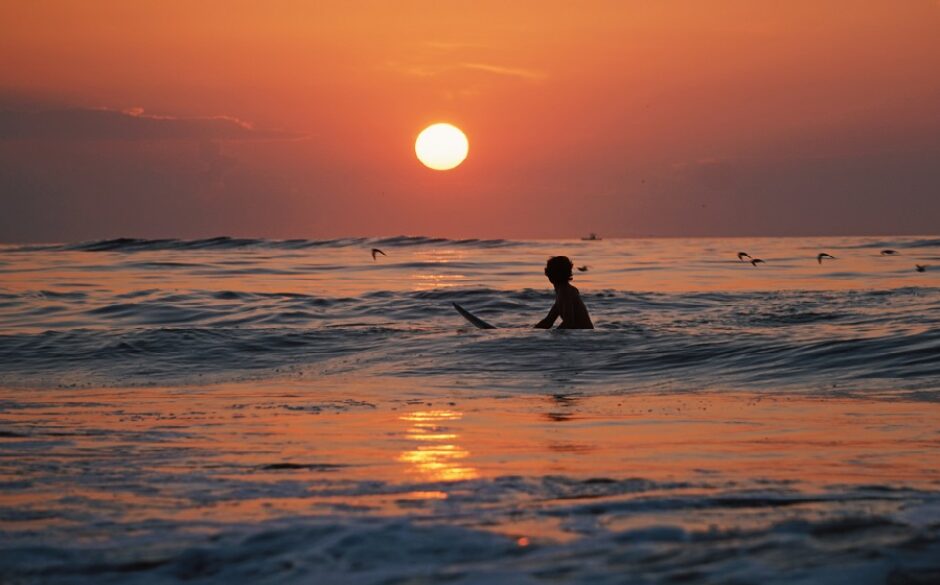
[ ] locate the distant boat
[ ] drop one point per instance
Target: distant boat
(591, 238)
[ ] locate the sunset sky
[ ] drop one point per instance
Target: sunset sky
(298, 119)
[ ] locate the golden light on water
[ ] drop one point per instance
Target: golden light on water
(437, 456)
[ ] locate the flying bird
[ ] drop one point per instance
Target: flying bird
(743, 255)
(920, 268)
(377, 251)
(821, 255)
(889, 252)
(582, 268)
(755, 261)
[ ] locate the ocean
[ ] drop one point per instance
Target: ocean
(294, 411)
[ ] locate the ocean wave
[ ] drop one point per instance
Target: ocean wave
(126, 485)
(627, 354)
(900, 243)
(242, 310)
(751, 310)
(786, 536)
(232, 243)
(125, 244)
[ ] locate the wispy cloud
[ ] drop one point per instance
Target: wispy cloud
(452, 45)
(416, 70)
(508, 71)
(128, 124)
(499, 70)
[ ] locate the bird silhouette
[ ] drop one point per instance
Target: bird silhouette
(920, 268)
(743, 255)
(755, 261)
(582, 268)
(377, 251)
(821, 255)
(889, 252)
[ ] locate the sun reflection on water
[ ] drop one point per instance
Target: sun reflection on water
(435, 281)
(437, 456)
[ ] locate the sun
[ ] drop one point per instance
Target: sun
(441, 146)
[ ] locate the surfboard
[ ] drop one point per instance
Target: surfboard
(476, 321)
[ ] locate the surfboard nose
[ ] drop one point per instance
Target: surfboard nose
(473, 319)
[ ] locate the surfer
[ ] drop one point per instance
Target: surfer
(568, 304)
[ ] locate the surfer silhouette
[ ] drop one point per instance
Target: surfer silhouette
(568, 304)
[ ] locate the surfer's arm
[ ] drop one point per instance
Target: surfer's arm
(549, 319)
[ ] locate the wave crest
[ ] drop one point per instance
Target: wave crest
(231, 243)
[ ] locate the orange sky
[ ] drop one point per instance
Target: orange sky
(625, 118)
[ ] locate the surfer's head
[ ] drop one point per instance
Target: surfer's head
(558, 270)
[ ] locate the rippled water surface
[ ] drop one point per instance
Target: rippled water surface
(293, 411)
(669, 312)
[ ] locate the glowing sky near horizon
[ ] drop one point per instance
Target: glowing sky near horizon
(293, 119)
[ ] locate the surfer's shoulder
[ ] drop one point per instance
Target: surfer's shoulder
(567, 292)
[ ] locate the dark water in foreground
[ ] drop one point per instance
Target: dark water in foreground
(228, 410)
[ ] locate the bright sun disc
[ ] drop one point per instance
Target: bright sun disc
(441, 146)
